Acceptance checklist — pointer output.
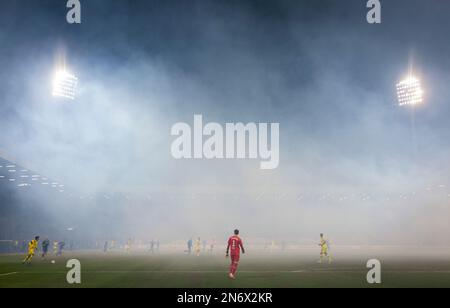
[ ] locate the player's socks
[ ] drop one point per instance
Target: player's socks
(27, 258)
(234, 271)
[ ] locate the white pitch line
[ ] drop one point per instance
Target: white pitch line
(163, 272)
(9, 274)
(247, 272)
(156, 272)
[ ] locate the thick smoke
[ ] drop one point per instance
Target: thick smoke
(352, 163)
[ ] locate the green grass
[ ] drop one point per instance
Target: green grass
(255, 271)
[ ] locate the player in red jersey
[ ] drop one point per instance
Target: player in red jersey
(235, 245)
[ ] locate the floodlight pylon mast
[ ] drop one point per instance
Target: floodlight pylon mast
(415, 149)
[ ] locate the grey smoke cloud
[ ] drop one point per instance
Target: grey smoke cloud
(325, 75)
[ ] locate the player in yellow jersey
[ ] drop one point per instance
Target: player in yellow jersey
(324, 249)
(32, 247)
(197, 247)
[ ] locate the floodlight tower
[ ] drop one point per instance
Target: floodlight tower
(64, 85)
(64, 82)
(410, 93)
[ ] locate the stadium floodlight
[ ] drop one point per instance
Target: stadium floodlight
(64, 85)
(409, 91)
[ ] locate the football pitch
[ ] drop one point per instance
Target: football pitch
(290, 270)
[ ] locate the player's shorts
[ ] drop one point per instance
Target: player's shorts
(324, 251)
(235, 258)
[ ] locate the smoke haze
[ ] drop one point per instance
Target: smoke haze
(352, 163)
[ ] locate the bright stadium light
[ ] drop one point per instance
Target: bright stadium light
(64, 85)
(409, 91)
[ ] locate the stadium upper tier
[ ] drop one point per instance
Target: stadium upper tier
(19, 176)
